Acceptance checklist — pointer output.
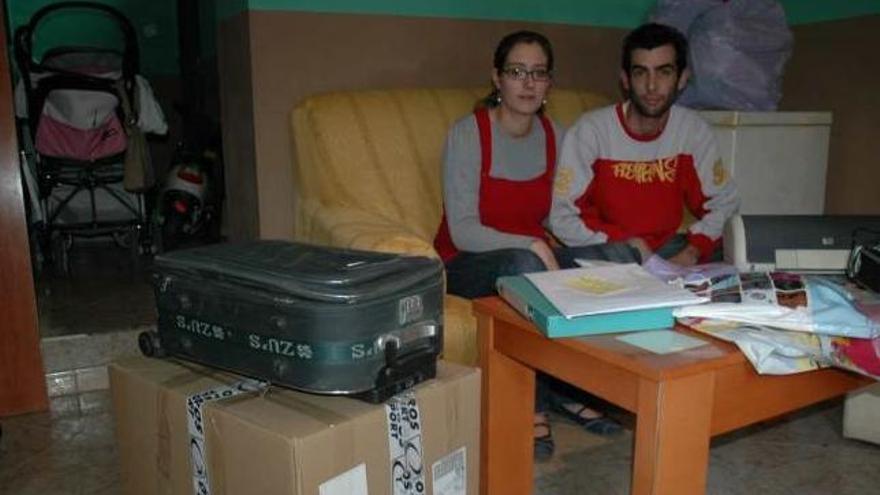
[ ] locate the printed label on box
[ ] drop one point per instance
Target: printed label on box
(195, 425)
(351, 482)
(450, 474)
(405, 445)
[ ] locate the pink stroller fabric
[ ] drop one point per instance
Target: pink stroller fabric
(60, 140)
(80, 125)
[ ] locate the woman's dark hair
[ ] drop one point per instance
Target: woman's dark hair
(503, 50)
(653, 35)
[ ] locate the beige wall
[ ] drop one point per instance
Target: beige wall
(834, 67)
(269, 61)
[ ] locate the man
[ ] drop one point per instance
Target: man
(626, 172)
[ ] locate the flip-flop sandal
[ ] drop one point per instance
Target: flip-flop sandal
(544, 444)
(602, 425)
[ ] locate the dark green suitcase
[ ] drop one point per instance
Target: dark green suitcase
(317, 319)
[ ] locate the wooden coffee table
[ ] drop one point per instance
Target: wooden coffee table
(680, 400)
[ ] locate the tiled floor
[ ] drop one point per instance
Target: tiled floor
(96, 313)
(69, 450)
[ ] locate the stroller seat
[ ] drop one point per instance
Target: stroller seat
(73, 103)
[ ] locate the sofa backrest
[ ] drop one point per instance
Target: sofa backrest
(381, 151)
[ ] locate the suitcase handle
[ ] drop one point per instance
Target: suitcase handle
(405, 336)
(391, 343)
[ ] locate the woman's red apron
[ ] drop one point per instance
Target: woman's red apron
(514, 207)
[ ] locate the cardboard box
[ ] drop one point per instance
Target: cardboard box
(276, 441)
(861, 414)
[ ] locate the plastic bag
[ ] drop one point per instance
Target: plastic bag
(138, 174)
(738, 50)
(778, 352)
(686, 276)
(151, 119)
(785, 301)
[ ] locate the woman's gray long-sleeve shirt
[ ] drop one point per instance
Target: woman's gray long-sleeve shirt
(513, 158)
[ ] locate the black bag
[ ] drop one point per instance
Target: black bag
(863, 265)
(312, 318)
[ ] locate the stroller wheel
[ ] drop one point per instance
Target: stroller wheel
(150, 345)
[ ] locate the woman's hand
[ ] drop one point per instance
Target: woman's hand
(689, 256)
(543, 251)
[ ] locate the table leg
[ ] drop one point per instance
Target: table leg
(508, 394)
(672, 435)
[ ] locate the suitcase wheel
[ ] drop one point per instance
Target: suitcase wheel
(150, 345)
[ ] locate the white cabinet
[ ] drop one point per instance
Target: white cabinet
(778, 159)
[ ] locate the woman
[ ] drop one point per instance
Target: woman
(498, 177)
(498, 174)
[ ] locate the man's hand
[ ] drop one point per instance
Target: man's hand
(640, 244)
(689, 256)
(540, 248)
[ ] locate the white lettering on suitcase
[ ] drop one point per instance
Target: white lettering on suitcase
(364, 351)
(280, 346)
(409, 309)
(200, 327)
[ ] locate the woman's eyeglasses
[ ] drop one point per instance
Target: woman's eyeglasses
(520, 74)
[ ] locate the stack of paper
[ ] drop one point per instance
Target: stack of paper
(606, 299)
(608, 289)
(525, 298)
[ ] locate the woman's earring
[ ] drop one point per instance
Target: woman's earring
(497, 97)
(544, 102)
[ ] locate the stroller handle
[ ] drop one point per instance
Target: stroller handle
(131, 59)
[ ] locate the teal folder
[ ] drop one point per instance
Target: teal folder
(525, 298)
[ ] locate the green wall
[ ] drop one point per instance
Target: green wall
(810, 11)
(610, 13)
(155, 22)
(590, 12)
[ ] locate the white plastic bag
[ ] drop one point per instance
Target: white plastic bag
(738, 50)
(151, 119)
(784, 301)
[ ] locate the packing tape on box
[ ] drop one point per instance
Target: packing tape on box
(405, 444)
(195, 425)
(163, 427)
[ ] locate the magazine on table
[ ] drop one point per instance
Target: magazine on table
(608, 289)
(787, 301)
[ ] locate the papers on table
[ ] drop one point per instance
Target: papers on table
(525, 298)
(608, 289)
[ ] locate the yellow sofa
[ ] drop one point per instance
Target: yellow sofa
(368, 175)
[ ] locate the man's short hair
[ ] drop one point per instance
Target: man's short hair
(653, 35)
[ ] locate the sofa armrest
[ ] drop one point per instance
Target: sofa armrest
(460, 331)
(357, 229)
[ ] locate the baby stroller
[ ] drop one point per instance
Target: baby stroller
(80, 106)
